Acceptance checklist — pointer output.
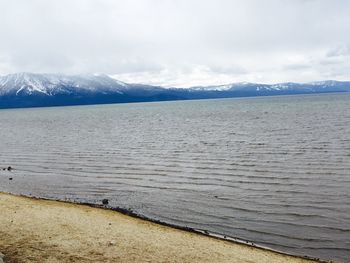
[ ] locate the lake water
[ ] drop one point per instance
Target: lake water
(272, 170)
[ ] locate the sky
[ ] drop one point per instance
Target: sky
(178, 43)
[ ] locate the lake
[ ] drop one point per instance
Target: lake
(272, 170)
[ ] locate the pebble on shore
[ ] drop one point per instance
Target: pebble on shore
(9, 168)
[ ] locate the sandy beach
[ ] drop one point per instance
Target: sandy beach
(34, 230)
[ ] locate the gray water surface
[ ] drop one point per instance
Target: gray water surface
(271, 170)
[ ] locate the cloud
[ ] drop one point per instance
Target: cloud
(340, 50)
(178, 42)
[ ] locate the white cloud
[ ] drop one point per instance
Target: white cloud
(178, 42)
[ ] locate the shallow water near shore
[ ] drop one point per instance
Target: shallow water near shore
(272, 170)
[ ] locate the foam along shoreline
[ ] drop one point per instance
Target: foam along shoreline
(53, 231)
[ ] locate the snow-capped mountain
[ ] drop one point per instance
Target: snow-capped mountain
(328, 85)
(32, 90)
(53, 84)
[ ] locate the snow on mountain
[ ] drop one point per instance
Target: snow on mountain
(287, 86)
(33, 90)
(328, 83)
(231, 86)
(51, 84)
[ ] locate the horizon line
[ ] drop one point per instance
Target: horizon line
(167, 86)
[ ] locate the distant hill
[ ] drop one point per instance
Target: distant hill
(35, 90)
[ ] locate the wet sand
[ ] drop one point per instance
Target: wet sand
(35, 230)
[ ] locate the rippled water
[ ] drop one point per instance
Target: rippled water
(271, 170)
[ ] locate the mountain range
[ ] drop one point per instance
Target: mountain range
(38, 90)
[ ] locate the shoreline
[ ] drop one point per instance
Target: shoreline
(53, 228)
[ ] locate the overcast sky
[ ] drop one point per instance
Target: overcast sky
(178, 42)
